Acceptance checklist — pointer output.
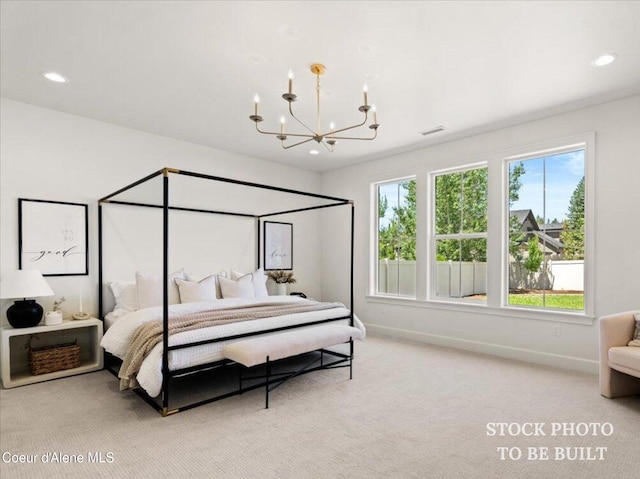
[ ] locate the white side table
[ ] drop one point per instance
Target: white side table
(14, 356)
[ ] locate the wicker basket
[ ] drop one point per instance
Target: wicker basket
(48, 359)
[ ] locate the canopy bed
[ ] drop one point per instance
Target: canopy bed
(204, 331)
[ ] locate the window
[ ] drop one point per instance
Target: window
(396, 238)
(507, 235)
(459, 252)
(546, 230)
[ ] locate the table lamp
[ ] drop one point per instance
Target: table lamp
(24, 283)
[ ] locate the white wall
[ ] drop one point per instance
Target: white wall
(50, 155)
(616, 262)
(55, 156)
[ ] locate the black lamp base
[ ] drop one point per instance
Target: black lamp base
(24, 313)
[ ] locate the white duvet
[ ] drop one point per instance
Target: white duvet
(117, 338)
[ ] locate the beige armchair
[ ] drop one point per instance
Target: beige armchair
(619, 363)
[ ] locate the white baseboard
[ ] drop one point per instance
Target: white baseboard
(528, 355)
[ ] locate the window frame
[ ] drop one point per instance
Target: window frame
(584, 142)
(433, 237)
(374, 242)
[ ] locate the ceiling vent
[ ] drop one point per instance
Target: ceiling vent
(432, 130)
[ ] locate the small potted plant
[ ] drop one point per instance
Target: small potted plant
(281, 278)
(54, 317)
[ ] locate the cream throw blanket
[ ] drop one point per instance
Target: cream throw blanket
(149, 334)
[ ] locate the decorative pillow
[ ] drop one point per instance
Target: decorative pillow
(218, 292)
(125, 294)
(191, 292)
(150, 289)
(636, 337)
(242, 288)
(259, 282)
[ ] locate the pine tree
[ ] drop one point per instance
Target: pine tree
(397, 240)
(572, 235)
(461, 207)
(516, 237)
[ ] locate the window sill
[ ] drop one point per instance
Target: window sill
(482, 308)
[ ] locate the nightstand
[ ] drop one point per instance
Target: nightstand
(14, 354)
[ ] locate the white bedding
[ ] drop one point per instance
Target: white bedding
(117, 338)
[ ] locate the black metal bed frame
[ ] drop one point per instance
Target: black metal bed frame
(167, 374)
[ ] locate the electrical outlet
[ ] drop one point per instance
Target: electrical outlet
(556, 330)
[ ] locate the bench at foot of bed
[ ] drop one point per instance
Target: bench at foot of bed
(267, 349)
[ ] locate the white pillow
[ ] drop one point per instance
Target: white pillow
(150, 289)
(259, 282)
(125, 294)
(242, 288)
(218, 292)
(192, 292)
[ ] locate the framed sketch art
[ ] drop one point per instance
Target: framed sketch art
(278, 246)
(53, 237)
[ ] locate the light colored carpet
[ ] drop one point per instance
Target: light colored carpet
(411, 411)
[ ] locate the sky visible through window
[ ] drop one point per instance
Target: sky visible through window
(390, 192)
(563, 173)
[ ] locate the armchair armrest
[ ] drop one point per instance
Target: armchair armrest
(616, 330)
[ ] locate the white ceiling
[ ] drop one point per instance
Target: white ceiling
(189, 70)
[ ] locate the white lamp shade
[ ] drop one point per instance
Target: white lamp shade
(24, 283)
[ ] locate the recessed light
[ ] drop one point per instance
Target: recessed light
(55, 77)
(604, 60)
(314, 152)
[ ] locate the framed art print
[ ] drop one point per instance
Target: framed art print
(53, 237)
(278, 246)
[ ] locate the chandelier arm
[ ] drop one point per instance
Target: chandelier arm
(299, 121)
(296, 144)
(330, 135)
(354, 138)
(287, 134)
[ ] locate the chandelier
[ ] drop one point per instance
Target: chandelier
(327, 138)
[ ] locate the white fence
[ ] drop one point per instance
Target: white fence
(567, 275)
(468, 278)
(397, 277)
(457, 280)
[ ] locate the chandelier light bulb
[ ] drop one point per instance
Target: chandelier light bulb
(282, 120)
(365, 89)
(256, 100)
(375, 115)
(290, 81)
(290, 74)
(332, 126)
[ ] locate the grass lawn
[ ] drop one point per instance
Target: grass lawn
(564, 301)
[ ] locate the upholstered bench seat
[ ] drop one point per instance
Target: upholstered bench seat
(267, 349)
(254, 351)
